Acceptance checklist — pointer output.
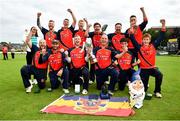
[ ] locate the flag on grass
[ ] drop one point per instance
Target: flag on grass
(116, 106)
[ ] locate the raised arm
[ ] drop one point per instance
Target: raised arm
(87, 27)
(73, 17)
(162, 34)
(122, 53)
(38, 21)
(144, 13)
(145, 20)
(28, 40)
(133, 40)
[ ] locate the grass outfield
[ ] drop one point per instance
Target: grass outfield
(16, 104)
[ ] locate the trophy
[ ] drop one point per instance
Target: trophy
(89, 49)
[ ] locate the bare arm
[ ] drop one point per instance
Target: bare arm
(157, 42)
(73, 17)
(144, 13)
(136, 63)
(87, 27)
(121, 54)
(38, 21)
(28, 40)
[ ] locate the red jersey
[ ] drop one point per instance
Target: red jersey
(77, 57)
(49, 37)
(104, 57)
(65, 36)
(55, 61)
(149, 53)
(95, 37)
(125, 61)
(81, 33)
(115, 40)
(138, 33)
(138, 36)
(36, 61)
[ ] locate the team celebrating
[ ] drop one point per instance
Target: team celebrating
(69, 58)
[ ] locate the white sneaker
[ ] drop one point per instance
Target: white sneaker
(158, 95)
(30, 81)
(28, 89)
(84, 92)
(66, 91)
(91, 82)
(110, 92)
(107, 82)
(35, 81)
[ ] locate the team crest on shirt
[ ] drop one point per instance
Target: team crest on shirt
(90, 106)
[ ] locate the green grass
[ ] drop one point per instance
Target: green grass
(16, 104)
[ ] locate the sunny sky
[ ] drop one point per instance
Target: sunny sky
(18, 15)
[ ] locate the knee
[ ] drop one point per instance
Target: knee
(23, 69)
(115, 74)
(85, 71)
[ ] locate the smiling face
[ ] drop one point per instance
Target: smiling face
(124, 44)
(104, 40)
(137, 85)
(118, 28)
(133, 21)
(97, 27)
(146, 39)
(55, 44)
(81, 24)
(51, 25)
(42, 44)
(66, 23)
(34, 31)
(77, 40)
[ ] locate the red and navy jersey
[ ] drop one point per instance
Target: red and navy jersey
(36, 58)
(138, 34)
(49, 36)
(65, 36)
(149, 54)
(77, 56)
(55, 60)
(125, 62)
(104, 56)
(95, 37)
(115, 40)
(81, 33)
(36, 61)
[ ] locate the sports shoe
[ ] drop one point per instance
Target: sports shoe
(84, 92)
(148, 96)
(91, 82)
(30, 81)
(110, 92)
(28, 89)
(66, 91)
(35, 81)
(158, 95)
(49, 89)
(107, 82)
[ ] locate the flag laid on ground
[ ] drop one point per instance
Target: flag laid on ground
(116, 106)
